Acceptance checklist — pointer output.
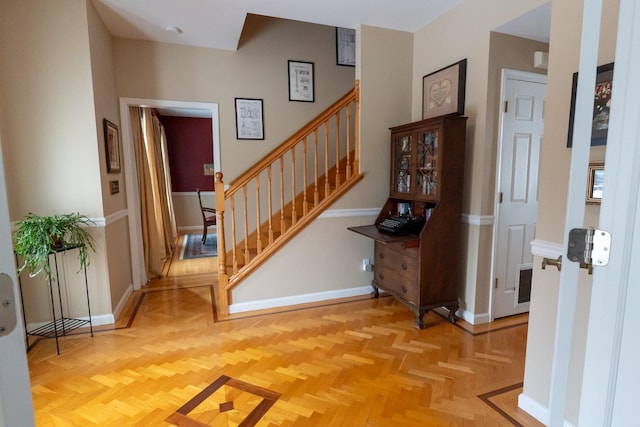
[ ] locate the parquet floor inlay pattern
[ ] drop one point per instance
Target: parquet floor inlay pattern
(358, 363)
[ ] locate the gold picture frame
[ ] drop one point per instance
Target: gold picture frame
(595, 181)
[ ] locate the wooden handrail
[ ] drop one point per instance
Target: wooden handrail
(338, 172)
(307, 130)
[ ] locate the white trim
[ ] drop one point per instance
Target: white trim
(133, 199)
(467, 316)
(123, 301)
(344, 213)
(546, 249)
(533, 408)
(299, 299)
(99, 320)
(536, 410)
(478, 219)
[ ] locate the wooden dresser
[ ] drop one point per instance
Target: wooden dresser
(421, 265)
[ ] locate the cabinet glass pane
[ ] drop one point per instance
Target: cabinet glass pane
(427, 174)
(402, 177)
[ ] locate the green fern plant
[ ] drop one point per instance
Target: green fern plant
(39, 236)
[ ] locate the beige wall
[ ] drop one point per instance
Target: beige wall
(311, 263)
(116, 228)
(258, 69)
(51, 139)
(554, 176)
(466, 31)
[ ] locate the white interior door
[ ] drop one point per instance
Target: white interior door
(16, 408)
(521, 129)
(612, 372)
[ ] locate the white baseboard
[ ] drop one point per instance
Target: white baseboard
(102, 319)
(536, 410)
(123, 302)
(533, 408)
(298, 299)
(474, 319)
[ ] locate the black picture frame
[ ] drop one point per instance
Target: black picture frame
(443, 91)
(345, 47)
(111, 146)
(249, 118)
(601, 100)
(301, 81)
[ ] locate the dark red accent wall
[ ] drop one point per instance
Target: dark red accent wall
(190, 146)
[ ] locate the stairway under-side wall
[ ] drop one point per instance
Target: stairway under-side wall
(277, 197)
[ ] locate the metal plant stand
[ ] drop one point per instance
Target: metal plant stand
(60, 325)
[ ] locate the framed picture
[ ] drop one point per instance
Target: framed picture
(111, 146)
(249, 119)
(443, 91)
(301, 81)
(595, 181)
(601, 105)
(346, 47)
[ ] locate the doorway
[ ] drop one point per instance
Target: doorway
(197, 108)
(520, 134)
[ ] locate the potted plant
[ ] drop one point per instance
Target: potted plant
(39, 236)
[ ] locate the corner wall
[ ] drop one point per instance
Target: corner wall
(566, 24)
(466, 32)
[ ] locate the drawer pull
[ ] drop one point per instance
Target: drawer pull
(381, 255)
(404, 289)
(404, 265)
(381, 276)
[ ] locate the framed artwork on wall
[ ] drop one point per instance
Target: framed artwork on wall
(249, 119)
(346, 47)
(443, 91)
(601, 105)
(111, 146)
(301, 81)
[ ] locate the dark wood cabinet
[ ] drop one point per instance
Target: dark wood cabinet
(422, 267)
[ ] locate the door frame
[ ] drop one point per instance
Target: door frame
(138, 270)
(527, 76)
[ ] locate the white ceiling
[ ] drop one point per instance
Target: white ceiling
(218, 23)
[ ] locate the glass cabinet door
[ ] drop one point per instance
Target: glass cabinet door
(427, 158)
(402, 158)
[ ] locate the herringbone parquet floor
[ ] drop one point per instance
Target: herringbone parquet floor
(356, 363)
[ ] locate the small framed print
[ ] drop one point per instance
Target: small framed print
(301, 81)
(346, 47)
(595, 183)
(444, 91)
(112, 146)
(249, 119)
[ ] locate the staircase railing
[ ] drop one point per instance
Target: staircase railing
(275, 198)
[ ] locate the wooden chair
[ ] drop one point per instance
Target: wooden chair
(208, 217)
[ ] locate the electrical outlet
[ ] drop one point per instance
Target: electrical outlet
(366, 264)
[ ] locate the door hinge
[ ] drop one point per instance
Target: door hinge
(506, 106)
(500, 197)
(589, 247)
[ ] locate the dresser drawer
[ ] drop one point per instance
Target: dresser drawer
(389, 257)
(400, 285)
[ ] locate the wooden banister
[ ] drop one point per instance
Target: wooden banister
(301, 191)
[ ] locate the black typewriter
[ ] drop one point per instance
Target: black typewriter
(406, 224)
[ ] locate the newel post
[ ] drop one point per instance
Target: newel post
(356, 155)
(223, 277)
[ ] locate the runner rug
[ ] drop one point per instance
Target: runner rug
(193, 247)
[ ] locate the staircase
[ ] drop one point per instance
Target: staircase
(282, 193)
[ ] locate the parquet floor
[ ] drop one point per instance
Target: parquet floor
(354, 363)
